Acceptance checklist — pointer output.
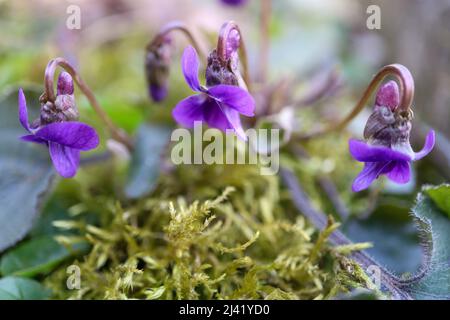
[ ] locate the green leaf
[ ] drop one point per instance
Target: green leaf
(25, 172)
(146, 159)
(38, 255)
(435, 228)
(359, 294)
(441, 197)
(56, 208)
(395, 239)
(15, 288)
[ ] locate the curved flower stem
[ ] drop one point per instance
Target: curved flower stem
(224, 32)
(176, 26)
(406, 83)
(116, 132)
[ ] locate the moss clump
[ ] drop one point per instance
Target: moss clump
(246, 243)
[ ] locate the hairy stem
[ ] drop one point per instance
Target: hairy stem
(393, 284)
(116, 132)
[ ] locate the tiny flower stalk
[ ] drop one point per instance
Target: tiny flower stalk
(158, 58)
(49, 97)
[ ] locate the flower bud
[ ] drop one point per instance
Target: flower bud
(233, 43)
(379, 126)
(64, 107)
(47, 114)
(157, 68)
(388, 95)
(218, 71)
(65, 84)
(388, 125)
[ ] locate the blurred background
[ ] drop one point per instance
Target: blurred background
(307, 36)
(305, 33)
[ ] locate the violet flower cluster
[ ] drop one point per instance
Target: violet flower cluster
(387, 150)
(57, 130)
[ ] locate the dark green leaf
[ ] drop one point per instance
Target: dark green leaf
(441, 197)
(395, 238)
(15, 288)
(145, 167)
(359, 294)
(395, 244)
(36, 256)
(25, 173)
(435, 227)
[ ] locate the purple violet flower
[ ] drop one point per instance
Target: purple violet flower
(380, 160)
(234, 3)
(157, 68)
(158, 93)
(218, 105)
(64, 139)
(388, 150)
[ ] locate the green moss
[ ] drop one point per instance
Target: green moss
(207, 232)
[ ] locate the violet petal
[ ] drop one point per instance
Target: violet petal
(158, 93)
(190, 66)
(400, 172)
(33, 138)
(370, 172)
(428, 146)
(23, 112)
(214, 116)
(223, 117)
(65, 159)
(72, 134)
(189, 110)
(364, 152)
(234, 97)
